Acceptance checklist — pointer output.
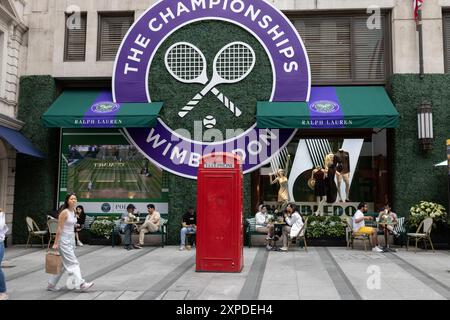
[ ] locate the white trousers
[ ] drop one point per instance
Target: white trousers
(69, 260)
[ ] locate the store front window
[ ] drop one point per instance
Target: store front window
(330, 175)
(107, 173)
(111, 171)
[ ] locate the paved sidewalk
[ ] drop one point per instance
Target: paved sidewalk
(166, 273)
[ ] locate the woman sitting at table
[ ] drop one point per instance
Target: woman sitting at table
(385, 215)
(294, 224)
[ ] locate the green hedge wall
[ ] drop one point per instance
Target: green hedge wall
(163, 87)
(183, 193)
(414, 176)
(35, 178)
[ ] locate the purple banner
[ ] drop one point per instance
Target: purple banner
(324, 109)
(181, 156)
(277, 35)
(275, 32)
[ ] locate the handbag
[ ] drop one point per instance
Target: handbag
(53, 262)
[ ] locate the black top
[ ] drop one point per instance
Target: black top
(342, 161)
(189, 219)
(81, 219)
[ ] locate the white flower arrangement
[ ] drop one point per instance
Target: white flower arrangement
(102, 227)
(426, 209)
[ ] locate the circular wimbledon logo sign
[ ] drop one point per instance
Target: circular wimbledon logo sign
(210, 62)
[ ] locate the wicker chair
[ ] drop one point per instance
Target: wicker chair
(34, 231)
(301, 236)
(426, 226)
(352, 236)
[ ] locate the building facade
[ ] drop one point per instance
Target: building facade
(12, 52)
(72, 45)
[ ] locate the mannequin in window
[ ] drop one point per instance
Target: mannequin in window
(342, 163)
(330, 170)
(319, 177)
(283, 194)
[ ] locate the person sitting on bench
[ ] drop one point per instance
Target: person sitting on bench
(127, 228)
(151, 224)
(263, 225)
(188, 221)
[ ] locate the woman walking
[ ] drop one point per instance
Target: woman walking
(65, 242)
(3, 230)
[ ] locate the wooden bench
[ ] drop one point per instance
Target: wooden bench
(250, 232)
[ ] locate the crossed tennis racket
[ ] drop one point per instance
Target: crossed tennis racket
(187, 64)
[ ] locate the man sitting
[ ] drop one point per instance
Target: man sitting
(359, 226)
(188, 222)
(151, 224)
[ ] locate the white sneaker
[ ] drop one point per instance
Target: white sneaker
(51, 287)
(283, 249)
(85, 286)
(377, 249)
(79, 243)
(181, 248)
(4, 296)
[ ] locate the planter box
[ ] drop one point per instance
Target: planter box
(326, 242)
(440, 236)
(100, 241)
(85, 236)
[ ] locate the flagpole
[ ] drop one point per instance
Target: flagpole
(419, 28)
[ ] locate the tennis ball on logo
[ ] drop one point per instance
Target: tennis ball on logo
(209, 122)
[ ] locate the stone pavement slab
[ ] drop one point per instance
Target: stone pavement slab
(156, 273)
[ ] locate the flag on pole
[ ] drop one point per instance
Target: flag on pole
(417, 6)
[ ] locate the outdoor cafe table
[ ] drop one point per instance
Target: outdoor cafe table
(385, 225)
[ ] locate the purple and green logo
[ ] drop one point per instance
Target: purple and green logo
(324, 106)
(211, 75)
(105, 107)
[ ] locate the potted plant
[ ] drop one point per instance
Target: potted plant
(325, 231)
(425, 209)
(101, 230)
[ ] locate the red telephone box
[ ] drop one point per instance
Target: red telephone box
(219, 214)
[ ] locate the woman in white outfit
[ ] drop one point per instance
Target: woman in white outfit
(3, 231)
(294, 224)
(65, 242)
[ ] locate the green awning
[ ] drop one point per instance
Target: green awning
(332, 107)
(96, 109)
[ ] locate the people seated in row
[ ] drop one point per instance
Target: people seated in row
(359, 226)
(386, 213)
(189, 225)
(151, 224)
